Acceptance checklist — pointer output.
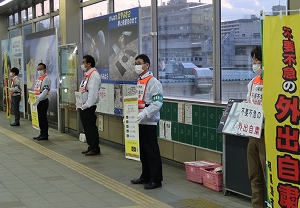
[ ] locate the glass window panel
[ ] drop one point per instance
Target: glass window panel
(240, 33)
(146, 22)
(56, 25)
(10, 20)
(46, 7)
(56, 22)
(29, 13)
(23, 16)
(13, 33)
(185, 48)
(56, 5)
(16, 18)
(43, 25)
(27, 29)
(123, 5)
(38, 10)
(95, 10)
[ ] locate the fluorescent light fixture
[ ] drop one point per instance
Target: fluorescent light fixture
(4, 2)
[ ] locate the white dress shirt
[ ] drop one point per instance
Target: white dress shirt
(91, 96)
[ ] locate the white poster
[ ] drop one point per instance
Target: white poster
(250, 120)
(118, 99)
(161, 129)
(168, 132)
(106, 101)
(129, 90)
(180, 112)
(188, 114)
(244, 119)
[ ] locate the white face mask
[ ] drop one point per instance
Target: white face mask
(83, 67)
(138, 69)
(11, 74)
(257, 69)
(41, 73)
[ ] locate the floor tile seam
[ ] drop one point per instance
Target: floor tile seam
(94, 175)
(129, 193)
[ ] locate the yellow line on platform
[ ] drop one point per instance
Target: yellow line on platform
(140, 198)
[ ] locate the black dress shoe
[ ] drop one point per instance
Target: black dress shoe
(91, 153)
(83, 152)
(42, 138)
(36, 137)
(152, 185)
(139, 181)
(15, 124)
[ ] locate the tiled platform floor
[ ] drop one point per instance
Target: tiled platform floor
(54, 173)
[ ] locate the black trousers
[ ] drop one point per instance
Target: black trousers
(88, 120)
(42, 108)
(15, 101)
(150, 154)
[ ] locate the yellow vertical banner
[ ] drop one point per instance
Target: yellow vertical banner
(34, 112)
(6, 84)
(281, 40)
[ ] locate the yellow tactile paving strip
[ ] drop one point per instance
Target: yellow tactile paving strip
(141, 199)
(200, 203)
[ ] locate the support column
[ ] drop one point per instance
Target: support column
(70, 23)
(293, 5)
(154, 37)
(216, 51)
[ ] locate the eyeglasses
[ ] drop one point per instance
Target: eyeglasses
(138, 63)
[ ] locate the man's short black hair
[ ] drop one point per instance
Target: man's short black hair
(144, 57)
(89, 59)
(15, 70)
(257, 53)
(42, 64)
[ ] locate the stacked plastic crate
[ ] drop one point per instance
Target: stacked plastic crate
(204, 172)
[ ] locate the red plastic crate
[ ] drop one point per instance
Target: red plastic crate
(194, 170)
(211, 179)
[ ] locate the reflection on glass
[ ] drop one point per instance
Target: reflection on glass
(23, 16)
(123, 5)
(56, 21)
(68, 74)
(16, 18)
(185, 51)
(38, 10)
(56, 25)
(10, 20)
(29, 13)
(56, 5)
(43, 25)
(95, 10)
(46, 7)
(27, 29)
(240, 33)
(13, 33)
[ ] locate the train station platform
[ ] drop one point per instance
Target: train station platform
(54, 173)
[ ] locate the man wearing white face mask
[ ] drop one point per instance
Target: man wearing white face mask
(256, 153)
(41, 90)
(150, 100)
(89, 88)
